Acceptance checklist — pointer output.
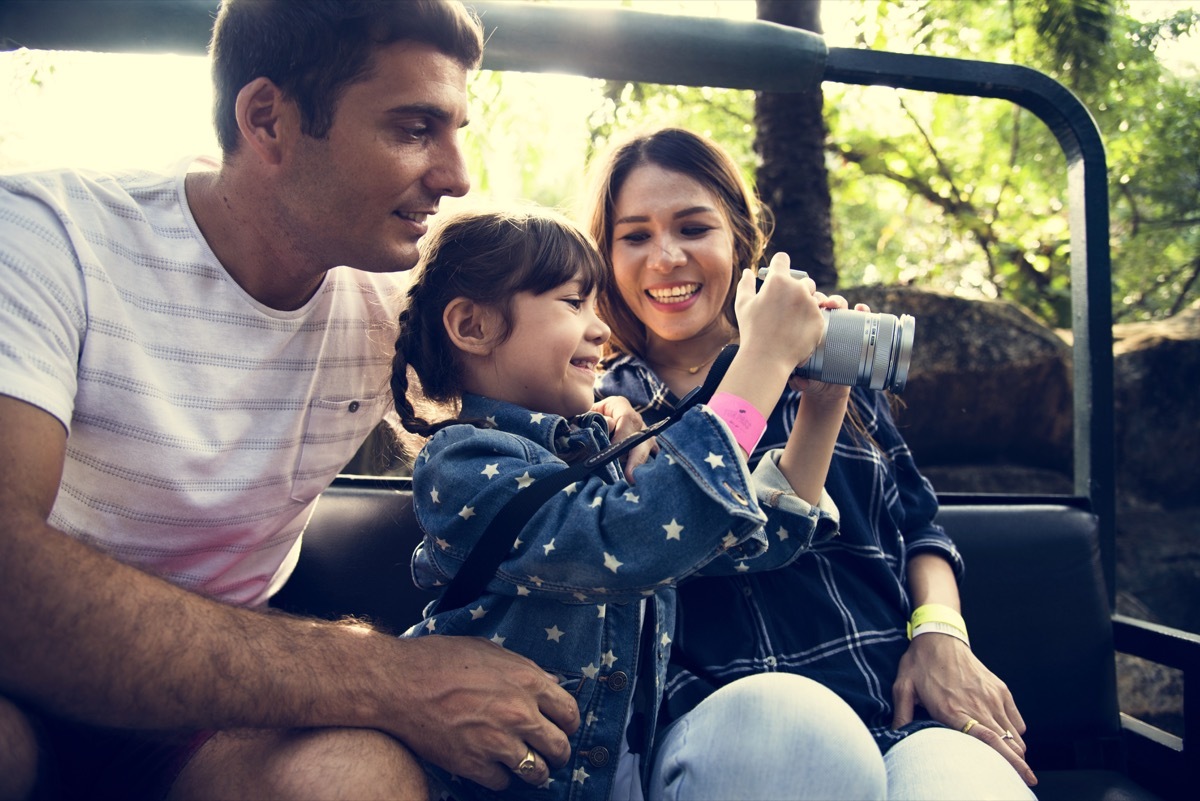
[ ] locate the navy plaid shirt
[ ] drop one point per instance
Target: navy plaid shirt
(838, 613)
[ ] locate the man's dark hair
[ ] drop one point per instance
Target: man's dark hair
(313, 49)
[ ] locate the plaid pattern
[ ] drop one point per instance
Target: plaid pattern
(836, 614)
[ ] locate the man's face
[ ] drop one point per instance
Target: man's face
(360, 197)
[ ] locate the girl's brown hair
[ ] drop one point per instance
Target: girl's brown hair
(487, 257)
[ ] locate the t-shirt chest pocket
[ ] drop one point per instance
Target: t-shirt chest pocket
(333, 431)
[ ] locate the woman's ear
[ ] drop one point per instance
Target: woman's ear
(472, 327)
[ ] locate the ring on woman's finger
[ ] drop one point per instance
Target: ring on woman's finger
(527, 765)
(966, 729)
(1008, 735)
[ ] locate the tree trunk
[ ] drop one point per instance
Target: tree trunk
(790, 140)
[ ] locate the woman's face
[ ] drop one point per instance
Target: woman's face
(672, 254)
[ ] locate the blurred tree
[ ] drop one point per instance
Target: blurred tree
(790, 140)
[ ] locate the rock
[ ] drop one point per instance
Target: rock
(989, 384)
(1156, 366)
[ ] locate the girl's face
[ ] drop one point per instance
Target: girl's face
(548, 363)
(672, 254)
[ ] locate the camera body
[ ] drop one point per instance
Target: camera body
(860, 349)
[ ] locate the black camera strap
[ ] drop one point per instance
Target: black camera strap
(497, 540)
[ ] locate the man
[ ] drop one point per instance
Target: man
(184, 366)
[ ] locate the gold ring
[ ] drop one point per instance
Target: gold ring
(527, 765)
(1008, 735)
(966, 729)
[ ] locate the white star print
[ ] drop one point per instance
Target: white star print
(478, 612)
(431, 625)
(467, 512)
(580, 775)
(601, 609)
(522, 590)
(665, 640)
(517, 543)
(491, 470)
(571, 489)
(591, 718)
(715, 460)
(496, 638)
(631, 496)
(535, 580)
(589, 670)
(548, 547)
(537, 417)
(491, 419)
(782, 533)
(608, 658)
(729, 541)
(611, 562)
(673, 529)
(524, 481)
(554, 633)
(670, 458)
(435, 497)
(441, 543)
(597, 501)
(741, 567)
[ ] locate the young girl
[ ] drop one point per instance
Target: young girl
(501, 323)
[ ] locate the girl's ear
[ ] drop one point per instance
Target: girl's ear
(472, 327)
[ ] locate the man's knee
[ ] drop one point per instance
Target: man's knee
(302, 764)
(18, 752)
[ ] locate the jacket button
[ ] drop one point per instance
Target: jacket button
(598, 756)
(618, 681)
(353, 406)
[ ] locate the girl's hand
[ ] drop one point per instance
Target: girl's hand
(624, 421)
(781, 321)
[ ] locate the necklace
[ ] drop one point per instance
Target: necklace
(689, 370)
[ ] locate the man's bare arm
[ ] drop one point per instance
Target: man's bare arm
(90, 638)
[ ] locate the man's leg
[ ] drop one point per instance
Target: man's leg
(301, 764)
(18, 753)
(768, 736)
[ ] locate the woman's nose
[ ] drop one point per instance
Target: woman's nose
(667, 254)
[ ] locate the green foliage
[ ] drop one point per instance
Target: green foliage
(968, 195)
(965, 195)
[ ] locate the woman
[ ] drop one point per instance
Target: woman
(677, 225)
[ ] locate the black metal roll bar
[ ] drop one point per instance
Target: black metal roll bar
(763, 56)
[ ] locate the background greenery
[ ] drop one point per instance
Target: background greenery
(964, 195)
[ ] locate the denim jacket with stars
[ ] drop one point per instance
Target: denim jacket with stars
(587, 591)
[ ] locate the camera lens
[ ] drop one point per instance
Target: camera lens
(863, 349)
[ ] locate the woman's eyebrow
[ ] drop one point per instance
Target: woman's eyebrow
(639, 218)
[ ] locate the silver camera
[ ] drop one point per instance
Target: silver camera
(860, 349)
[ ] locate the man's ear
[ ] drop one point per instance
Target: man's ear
(473, 328)
(266, 118)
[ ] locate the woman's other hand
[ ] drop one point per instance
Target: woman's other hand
(943, 675)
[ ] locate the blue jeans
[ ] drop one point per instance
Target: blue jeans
(783, 736)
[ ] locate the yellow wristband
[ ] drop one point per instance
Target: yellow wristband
(936, 613)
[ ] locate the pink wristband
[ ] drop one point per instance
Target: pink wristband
(746, 422)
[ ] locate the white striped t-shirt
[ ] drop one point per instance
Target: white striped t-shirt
(202, 424)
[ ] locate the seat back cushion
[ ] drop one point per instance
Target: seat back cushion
(1035, 603)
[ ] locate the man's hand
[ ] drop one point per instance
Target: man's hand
(940, 673)
(476, 709)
